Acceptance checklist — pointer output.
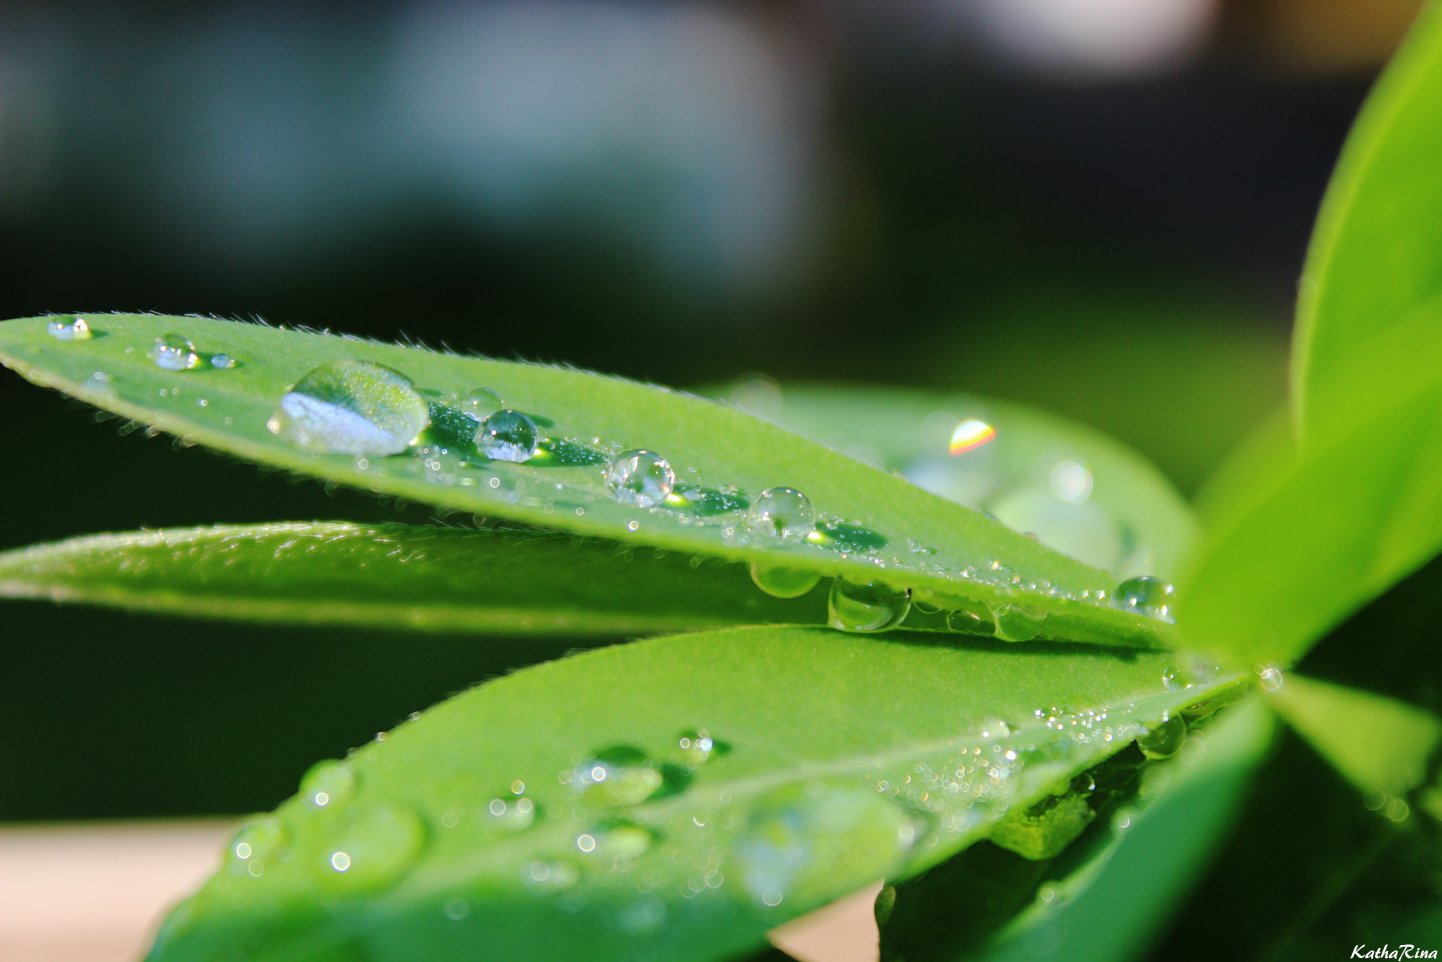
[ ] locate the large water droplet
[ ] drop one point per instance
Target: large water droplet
(621, 775)
(805, 843)
(782, 513)
(1147, 596)
(1017, 622)
(1165, 739)
(68, 328)
(377, 847)
(351, 407)
(971, 618)
(640, 477)
(1173, 680)
(482, 403)
(174, 352)
(328, 785)
(868, 606)
(507, 436)
(783, 582)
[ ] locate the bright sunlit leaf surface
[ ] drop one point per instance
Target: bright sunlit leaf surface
(673, 798)
(403, 576)
(563, 449)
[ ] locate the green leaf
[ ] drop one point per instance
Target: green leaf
(1373, 277)
(1079, 491)
(1379, 744)
(872, 527)
(402, 576)
(675, 797)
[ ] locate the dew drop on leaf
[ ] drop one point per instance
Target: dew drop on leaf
(782, 513)
(510, 815)
(640, 477)
(328, 785)
(1271, 678)
(377, 847)
(253, 844)
(1017, 622)
(621, 775)
(780, 582)
(68, 328)
(1164, 740)
(867, 606)
(507, 436)
(1173, 680)
(482, 403)
(174, 352)
(351, 407)
(972, 618)
(1147, 596)
(222, 362)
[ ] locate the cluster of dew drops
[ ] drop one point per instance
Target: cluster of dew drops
(364, 409)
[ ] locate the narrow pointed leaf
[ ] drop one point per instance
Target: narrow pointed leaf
(673, 798)
(871, 526)
(1075, 489)
(1378, 743)
(402, 576)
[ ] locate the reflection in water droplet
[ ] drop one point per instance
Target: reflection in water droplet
(1018, 622)
(1173, 680)
(1071, 481)
(783, 582)
(870, 606)
(378, 846)
(1271, 678)
(782, 513)
(1165, 739)
(640, 477)
(969, 435)
(804, 843)
(507, 436)
(174, 352)
(482, 403)
(1147, 596)
(328, 784)
(972, 618)
(68, 328)
(351, 407)
(222, 362)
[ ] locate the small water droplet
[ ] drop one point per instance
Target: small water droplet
(351, 407)
(254, 844)
(68, 328)
(971, 618)
(1147, 596)
(867, 606)
(623, 775)
(482, 403)
(511, 815)
(1164, 740)
(328, 784)
(377, 846)
(1173, 680)
(640, 477)
(1272, 678)
(1017, 622)
(697, 747)
(174, 352)
(782, 513)
(782, 582)
(507, 436)
(222, 362)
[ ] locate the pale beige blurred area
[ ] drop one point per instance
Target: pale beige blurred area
(97, 893)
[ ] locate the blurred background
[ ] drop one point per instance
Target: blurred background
(1097, 206)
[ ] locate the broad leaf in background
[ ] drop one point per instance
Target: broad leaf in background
(402, 576)
(554, 814)
(563, 449)
(1073, 488)
(1379, 744)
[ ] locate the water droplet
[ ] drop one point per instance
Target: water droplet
(697, 747)
(1017, 622)
(783, 582)
(1271, 678)
(68, 328)
(782, 513)
(1164, 740)
(971, 618)
(482, 403)
(253, 845)
(640, 477)
(806, 842)
(174, 352)
(222, 362)
(1173, 680)
(351, 407)
(1147, 596)
(869, 606)
(510, 815)
(549, 876)
(969, 435)
(328, 785)
(376, 848)
(623, 775)
(507, 436)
